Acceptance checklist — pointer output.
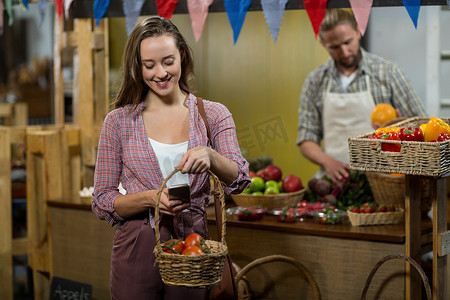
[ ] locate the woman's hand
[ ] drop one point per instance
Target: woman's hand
(170, 207)
(196, 160)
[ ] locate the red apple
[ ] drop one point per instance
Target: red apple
(251, 174)
(273, 172)
(262, 173)
(291, 184)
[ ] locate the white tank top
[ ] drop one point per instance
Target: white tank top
(169, 156)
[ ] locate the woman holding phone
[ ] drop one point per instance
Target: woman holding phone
(154, 128)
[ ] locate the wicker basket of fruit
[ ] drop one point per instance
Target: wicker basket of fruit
(390, 189)
(270, 192)
(425, 151)
(269, 202)
(374, 214)
(199, 268)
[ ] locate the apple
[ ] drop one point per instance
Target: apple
(273, 172)
(262, 173)
(251, 174)
(291, 184)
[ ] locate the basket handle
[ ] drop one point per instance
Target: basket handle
(398, 256)
(271, 258)
(221, 197)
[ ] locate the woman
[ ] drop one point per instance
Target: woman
(154, 128)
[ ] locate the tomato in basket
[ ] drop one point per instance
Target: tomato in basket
(193, 250)
(195, 239)
(173, 246)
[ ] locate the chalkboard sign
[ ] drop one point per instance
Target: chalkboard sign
(65, 289)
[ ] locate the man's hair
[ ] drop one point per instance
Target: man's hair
(335, 17)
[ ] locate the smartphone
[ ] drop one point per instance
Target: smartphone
(180, 192)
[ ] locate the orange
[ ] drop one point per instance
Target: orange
(382, 113)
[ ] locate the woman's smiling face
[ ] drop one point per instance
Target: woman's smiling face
(161, 64)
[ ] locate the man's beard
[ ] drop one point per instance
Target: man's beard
(354, 62)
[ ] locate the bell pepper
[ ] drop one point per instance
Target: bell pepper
(391, 147)
(382, 130)
(411, 134)
(422, 127)
(435, 126)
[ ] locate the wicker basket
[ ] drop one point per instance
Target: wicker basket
(390, 189)
(199, 271)
(412, 262)
(379, 218)
(269, 202)
(414, 158)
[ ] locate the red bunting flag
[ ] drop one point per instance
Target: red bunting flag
(59, 8)
(166, 7)
(361, 10)
(316, 12)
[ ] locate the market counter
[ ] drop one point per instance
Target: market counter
(339, 257)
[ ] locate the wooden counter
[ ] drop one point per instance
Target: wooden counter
(339, 257)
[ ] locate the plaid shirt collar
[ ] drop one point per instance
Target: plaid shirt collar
(191, 100)
(363, 66)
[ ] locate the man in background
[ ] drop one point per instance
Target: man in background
(338, 97)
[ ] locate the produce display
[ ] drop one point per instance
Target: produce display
(250, 213)
(435, 130)
(268, 181)
(331, 215)
(375, 214)
(353, 190)
(194, 244)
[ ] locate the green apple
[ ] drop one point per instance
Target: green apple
(271, 190)
(258, 193)
(270, 183)
(246, 191)
(256, 184)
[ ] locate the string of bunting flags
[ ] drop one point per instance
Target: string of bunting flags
(236, 11)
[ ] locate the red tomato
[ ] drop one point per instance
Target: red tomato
(194, 239)
(173, 246)
(193, 250)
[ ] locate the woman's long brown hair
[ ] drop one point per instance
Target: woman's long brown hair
(133, 89)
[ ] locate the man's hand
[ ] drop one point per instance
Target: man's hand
(336, 169)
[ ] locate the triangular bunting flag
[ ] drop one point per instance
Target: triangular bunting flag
(42, 5)
(361, 10)
(316, 12)
(132, 10)
(198, 11)
(413, 8)
(1, 17)
(274, 12)
(8, 4)
(166, 8)
(59, 8)
(100, 8)
(67, 4)
(25, 4)
(236, 11)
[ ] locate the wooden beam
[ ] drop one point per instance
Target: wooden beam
(6, 270)
(84, 8)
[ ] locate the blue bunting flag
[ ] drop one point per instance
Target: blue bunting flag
(236, 11)
(413, 8)
(100, 8)
(132, 10)
(274, 12)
